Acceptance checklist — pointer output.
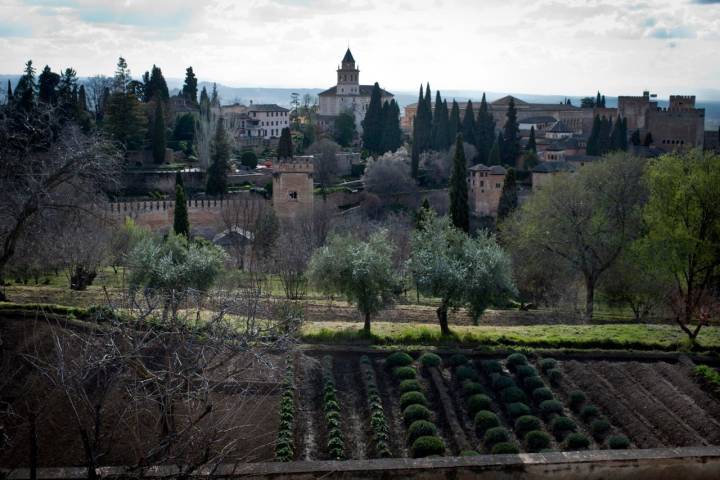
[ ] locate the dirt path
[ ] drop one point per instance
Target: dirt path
(354, 409)
(308, 406)
(391, 403)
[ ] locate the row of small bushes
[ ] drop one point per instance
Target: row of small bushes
(285, 446)
(709, 377)
(422, 433)
(378, 422)
(331, 406)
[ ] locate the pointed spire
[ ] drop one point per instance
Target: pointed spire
(348, 58)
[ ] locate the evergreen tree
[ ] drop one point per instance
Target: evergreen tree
(618, 137)
(593, 143)
(635, 138)
(26, 88)
(220, 159)
(531, 145)
(179, 179)
(392, 136)
(285, 145)
(604, 138)
(181, 222)
(344, 130)
(454, 125)
(468, 125)
(82, 99)
(510, 148)
(215, 98)
(156, 87)
(423, 214)
(508, 197)
(67, 92)
(440, 124)
(648, 139)
(122, 76)
(373, 123)
(190, 87)
(602, 101)
(624, 136)
(495, 156)
(598, 100)
(9, 94)
(47, 85)
(422, 130)
(459, 208)
(159, 142)
(125, 120)
(485, 135)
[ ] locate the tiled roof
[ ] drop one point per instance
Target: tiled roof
(540, 119)
(560, 127)
(365, 91)
(552, 167)
(266, 107)
(493, 169)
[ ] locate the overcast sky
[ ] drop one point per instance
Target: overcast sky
(571, 47)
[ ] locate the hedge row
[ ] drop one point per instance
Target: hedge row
(285, 446)
(378, 422)
(335, 438)
(496, 438)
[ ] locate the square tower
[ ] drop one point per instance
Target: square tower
(293, 187)
(348, 77)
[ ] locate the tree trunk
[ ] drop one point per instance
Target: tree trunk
(589, 298)
(442, 314)
(366, 328)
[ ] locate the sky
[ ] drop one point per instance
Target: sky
(571, 47)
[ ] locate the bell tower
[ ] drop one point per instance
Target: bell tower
(348, 77)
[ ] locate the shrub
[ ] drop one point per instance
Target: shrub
(427, 446)
(478, 402)
(485, 420)
(504, 448)
(531, 383)
(457, 360)
(430, 360)
(515, 360)
(464, 372)
(412, 398)
(410, 386)
(414, 413)
(576, 441)
(550, 408)
(501, 382)
(472, 388)
(494, 436)
(421, 428)
(517, 409)
(561, 426)
(537, 440)
(548, 364)
(618, 442)
(398, 359)
(404, 373)
(555, 376)
(491, 366)
(576, 400)
(599, 428)
(541, 394)
(524, 371)
(589, 412)
(526, 423)
(469, 453)
(512, 395)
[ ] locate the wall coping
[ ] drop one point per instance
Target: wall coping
(478, 462)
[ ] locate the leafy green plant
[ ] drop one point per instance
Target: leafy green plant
(515, 360)
(470, 388)
(412, 398)
(491, 366)
(512, 395)
(548, 364)
(430, 360)
(427, 446)
(414, 413)
(550, 408)
(464, 372)
(576, 400)
(709, 376)
(537, 440)
(524, 371)
(335, 441)
(577, 441)
(469, 453)
(285, 445)
(404, 373)
(501, 382)
(420, 428)
(555, 375)
(504, 448)
(541, 394)
(410, 386)
(589, 412)
(531, 383)
(561, 426)
(398, 359)
(618, 442)
(378, 422)
(485, 420)
(457, 360)
(526, 423)
(478, 402)
(600, 428)
(494, 436)
(517, 409)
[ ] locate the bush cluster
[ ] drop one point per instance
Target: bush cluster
(589, 412)
(285, 446)
(513, 395)
(561, 426)
(532, 383)
(525, 424)
(554, 375)
(398, 359)
(600, 428)
(404, 373)
(517, 409)
(485, 420)
(537, 440)
(525, 371)
(491, 366)
(464, 372)
(550, 408)
(478, 402)
(378, 422)
(430, 360)
(494, 436)
(427, 446)
(335, 438)
(471, 388)
(541, 394)
(410, 386)
(501, 382)
(420, 428)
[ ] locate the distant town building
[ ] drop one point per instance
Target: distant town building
(485, 186)
(346, 96)
(264, 121)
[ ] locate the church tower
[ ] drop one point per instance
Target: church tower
(348, 77)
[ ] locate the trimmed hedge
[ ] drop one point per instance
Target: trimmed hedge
(485, 420)
(427, 446)
(404, 373)
(548, 364)
(398, 359)
(618, 442)
(576, 401)
(526, 423)
(470, 388)
(412, 398)
(554, 375)
(525, 371)
(515, 360)
(463, 373)
(414, 413)
(589, 412)
(491, 366)
(531, 383)
(541, 394)
(430, 360)
(478, 402)
(494, 436)
(410, 386)
(561, 426)
(577, 441)
(600, 428)
(500, 382)
(512, 395)
(517, 409)
(420, 428)
(537, 440)
(504, 448)
(548, 408)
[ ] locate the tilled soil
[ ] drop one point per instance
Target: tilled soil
(391, 403)
(354, 407)
(681, 376)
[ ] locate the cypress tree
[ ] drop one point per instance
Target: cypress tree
(220, 158)
(495, 157)
(439, 125)
(9, 94)
(459, 208)
(26, 88)
(47, 85)
(454, 125)
(624, 136)
(468, 124)
(602, 100)
(593, 143)
(82, 99)
(635, 138)
(392, 133)
(159, 142)
(508, 196)
(215, 97)
(485, 136)
(422, 213)
(648, 139)
(616, 137)
(190, 87)
(179, 179)
(285, 145)
(510, 148)
(531, 145)
(598, 100)
(67, 92)
(156, 86)
(421, 130)
(181, 222)
(604, 138)
(373, 123)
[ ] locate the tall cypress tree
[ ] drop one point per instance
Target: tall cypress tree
(510, 148)
(26, 88)
(285, 145)
(604, 138)
(508, 196)
(440, 124)
(47, 85)
(190, 87)
(598, 100)
(159, 142)
(624, 137)
(459, 208)
(635, 138)
(373, 123)
(156, 86)
(593, 143)
(220, 158)
(468, 124)
(181, 222)
(485, 136)
(179, 179)
(454, 125)
(422, 127)
(532, 145)
(392, 133)
(495, 156)
(82, 99)
(9, 94)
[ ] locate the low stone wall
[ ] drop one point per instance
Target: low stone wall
(697, 463)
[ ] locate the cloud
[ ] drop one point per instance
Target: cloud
(664, 33)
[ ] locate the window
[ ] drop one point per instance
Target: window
(497, 185)
(292, 195)
(482, 183)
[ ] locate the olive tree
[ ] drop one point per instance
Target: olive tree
(460, 270)
(361, 270)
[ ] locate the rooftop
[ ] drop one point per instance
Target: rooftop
(348, 58)
(493, 169)
(365, 91)
(266, 107)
